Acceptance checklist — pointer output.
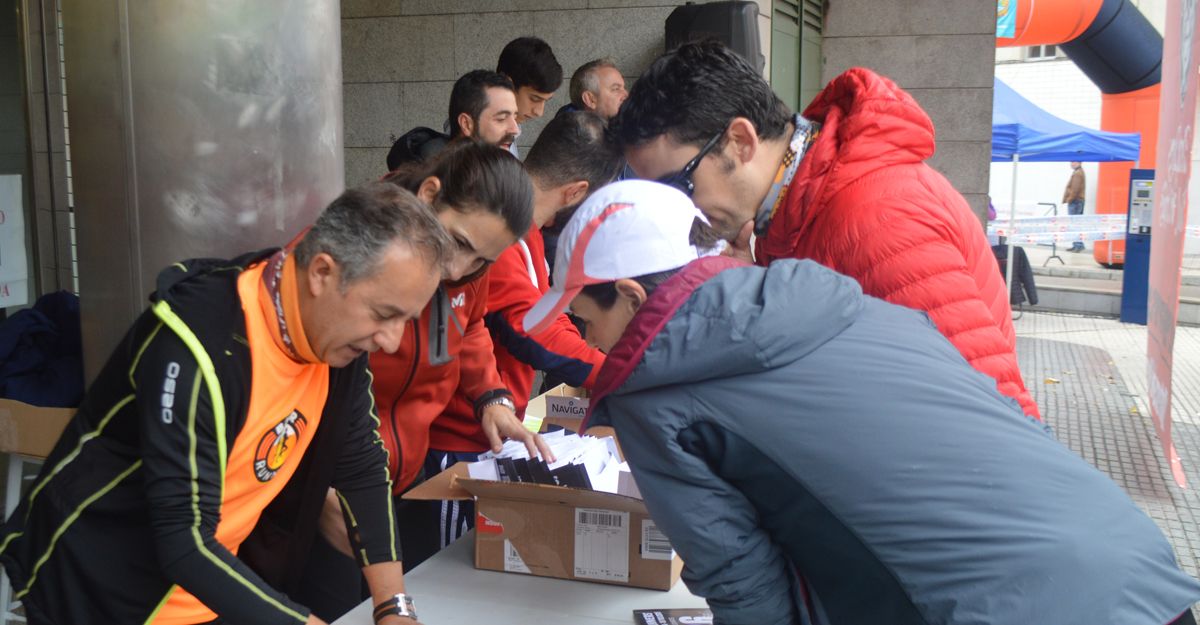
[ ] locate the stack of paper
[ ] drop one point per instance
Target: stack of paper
(581, 462)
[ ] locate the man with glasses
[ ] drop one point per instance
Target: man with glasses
(844, 184)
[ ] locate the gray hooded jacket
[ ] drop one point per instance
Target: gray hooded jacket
(796, 439)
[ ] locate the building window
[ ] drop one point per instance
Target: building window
(1042, 53)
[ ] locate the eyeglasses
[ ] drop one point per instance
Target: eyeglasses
(682, 179)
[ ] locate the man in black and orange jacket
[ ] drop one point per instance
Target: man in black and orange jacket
(242, 376)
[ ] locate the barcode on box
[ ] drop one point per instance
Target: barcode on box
(602, 545)
(655, 545)
(512, 560)
(598, 517)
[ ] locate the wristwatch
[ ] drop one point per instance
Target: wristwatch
(503, 400)
(495, 396)
(398, 605)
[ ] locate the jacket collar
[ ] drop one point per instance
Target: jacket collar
(649, 320)
(186, 270)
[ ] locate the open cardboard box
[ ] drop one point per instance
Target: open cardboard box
(31, 430)
(564, 406)
(568, 533)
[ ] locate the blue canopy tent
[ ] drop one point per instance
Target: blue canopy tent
(1023, 132)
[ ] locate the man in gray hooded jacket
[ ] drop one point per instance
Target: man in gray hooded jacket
(820, 456)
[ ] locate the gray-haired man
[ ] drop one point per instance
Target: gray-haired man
(209, 407)
(599, 87)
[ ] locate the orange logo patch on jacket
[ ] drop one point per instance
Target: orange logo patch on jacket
(277, 444)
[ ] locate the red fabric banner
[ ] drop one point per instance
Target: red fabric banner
(1177, 116)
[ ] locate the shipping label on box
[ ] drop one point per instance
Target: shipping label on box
(512, 560)
(655, 545)
(602, 545)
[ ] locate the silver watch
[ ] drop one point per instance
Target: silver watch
(503, 400)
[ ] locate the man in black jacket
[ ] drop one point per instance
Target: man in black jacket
(205, 412)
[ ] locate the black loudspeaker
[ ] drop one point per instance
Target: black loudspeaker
(733, 23)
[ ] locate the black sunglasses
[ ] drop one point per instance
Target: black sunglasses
(682, 179)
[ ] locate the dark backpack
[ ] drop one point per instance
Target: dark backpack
(416, 145)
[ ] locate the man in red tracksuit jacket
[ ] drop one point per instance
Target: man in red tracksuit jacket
(569, 160)
(844, 184)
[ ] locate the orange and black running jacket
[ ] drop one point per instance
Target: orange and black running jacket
(128, 521)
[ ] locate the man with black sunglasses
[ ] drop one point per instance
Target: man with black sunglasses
(844, 184)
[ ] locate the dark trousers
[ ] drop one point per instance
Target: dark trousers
(1075, 208)
(1185, 619)
(427, 527)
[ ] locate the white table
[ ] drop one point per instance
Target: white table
(449, 590)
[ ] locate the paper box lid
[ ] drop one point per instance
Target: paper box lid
(547, 493)
(31, 430)
(456, 483)
(444, 485)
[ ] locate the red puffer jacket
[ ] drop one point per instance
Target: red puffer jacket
(864, 203)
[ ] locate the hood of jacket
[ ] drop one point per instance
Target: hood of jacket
(867, 123)
(179, 281)
(720, 318)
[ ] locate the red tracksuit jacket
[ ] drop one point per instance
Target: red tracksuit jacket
(444, 365)
(517, 280)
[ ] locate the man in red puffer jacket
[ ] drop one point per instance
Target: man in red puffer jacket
(844, 184)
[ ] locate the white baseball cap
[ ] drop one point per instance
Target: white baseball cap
(626, 229)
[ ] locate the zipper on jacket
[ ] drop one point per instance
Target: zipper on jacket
(412, 373)
(439, 345)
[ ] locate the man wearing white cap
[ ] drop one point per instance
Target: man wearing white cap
(784, 440)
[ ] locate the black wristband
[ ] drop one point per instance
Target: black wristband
(394, 611)
(399, 605)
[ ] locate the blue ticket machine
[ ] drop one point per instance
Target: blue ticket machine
(1135, 288)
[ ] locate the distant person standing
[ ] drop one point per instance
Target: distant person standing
(1074, 196)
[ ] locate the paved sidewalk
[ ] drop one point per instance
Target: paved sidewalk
(1089, 377)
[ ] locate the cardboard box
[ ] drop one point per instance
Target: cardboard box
(563, 405)
(553, 531)
(31, 430)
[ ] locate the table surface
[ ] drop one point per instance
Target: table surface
(449, 590)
